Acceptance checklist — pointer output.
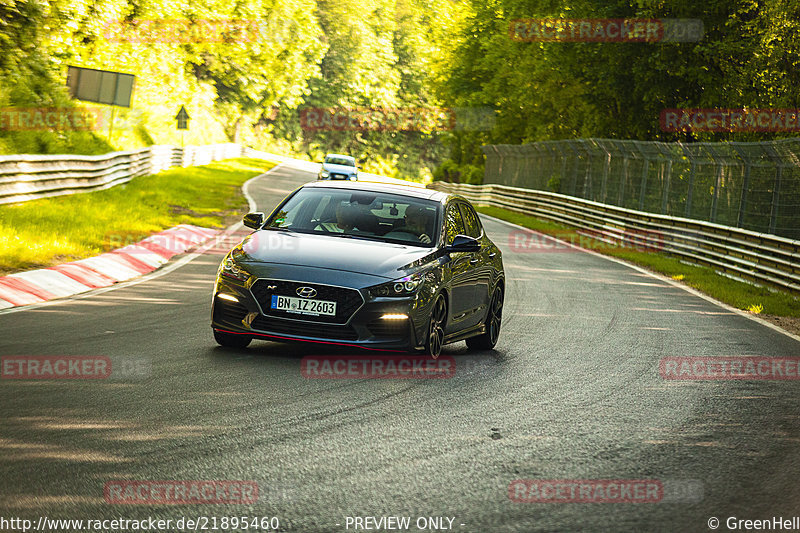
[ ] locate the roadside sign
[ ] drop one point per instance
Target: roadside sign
(183, 118)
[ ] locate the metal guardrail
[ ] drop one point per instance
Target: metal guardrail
(758, 257)
(29, 177)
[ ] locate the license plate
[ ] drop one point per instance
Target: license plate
(303, 306)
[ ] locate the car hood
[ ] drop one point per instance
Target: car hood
(339, 169)
(370, 258)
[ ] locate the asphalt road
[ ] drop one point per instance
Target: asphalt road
(572, 391)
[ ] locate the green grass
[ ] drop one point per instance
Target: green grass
(735, 293)
(45, 232)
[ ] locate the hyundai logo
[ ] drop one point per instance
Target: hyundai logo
(306, 292)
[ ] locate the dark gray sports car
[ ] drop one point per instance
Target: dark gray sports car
(382, 267)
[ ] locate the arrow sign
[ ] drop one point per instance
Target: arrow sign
(182, 117)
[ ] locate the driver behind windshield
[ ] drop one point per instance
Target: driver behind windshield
(416, 223)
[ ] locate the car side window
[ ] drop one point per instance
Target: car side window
(454, 224)
(471, 222)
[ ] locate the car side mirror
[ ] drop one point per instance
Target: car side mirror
(253, 220)
(462, 243)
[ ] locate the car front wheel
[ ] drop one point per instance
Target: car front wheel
(435, 339)
(229, 340)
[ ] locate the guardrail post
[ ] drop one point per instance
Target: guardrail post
(563, 167)
(576, 159)
(776, 193)
(743, 197)
(621, 200)
(715, 196)
(588, 188)
(604, 184)
(645, 170)
(667, 181)
(690, 191)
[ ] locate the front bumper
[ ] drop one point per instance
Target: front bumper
(364, 328)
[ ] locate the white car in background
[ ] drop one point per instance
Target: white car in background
(338, 167)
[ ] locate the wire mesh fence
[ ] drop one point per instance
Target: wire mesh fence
(755, 186)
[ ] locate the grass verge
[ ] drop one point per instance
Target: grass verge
(735, 293)
(46, 232)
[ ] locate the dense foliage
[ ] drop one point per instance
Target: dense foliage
(248, 87)
(748, 58)
(394, 54)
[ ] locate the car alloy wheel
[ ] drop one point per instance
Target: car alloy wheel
(488, 339)
(495, 315)
(433, 346)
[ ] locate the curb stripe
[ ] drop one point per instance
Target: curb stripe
(142, 254)
(157, 248)
(139, 266)
(17, 297)
(104, 270)
(53, 282)
(113, 269)
(25, 287)
(83, 274)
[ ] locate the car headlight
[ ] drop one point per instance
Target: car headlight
(230, 269)
(400, 287)
(324, 174)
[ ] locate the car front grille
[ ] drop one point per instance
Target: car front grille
(338, 176)
(304, 329)
(347, 300)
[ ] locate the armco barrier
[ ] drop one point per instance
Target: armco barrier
(759, 257)
(29, 177)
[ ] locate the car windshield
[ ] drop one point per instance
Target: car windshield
(338, 160)
(357, 214)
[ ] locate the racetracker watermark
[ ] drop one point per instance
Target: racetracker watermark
(563, 30)
(730, 119)
(180, 492)
(377, 367)
(66, 119)
(606, 491)
(586, 491)
(526, 241)
(730, 368)
(179, 31)
(57, 367)
(219, 244)
(421, 119)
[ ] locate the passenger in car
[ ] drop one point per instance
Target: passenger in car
(349, 217)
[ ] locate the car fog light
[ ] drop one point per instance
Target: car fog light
(394, 316)
(228, 297)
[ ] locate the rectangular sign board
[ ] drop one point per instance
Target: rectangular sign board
(100, 86)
